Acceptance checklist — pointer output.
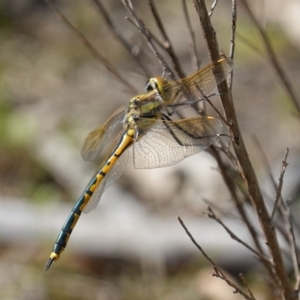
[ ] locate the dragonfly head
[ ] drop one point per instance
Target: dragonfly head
(158, 84)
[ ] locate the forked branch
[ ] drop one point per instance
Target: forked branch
(246, 169)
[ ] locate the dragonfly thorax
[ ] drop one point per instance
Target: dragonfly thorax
(145, 106)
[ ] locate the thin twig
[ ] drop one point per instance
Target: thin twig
(285, 212)
(246, 168)
(294, 252)
(167, 44)
(232, 38)
(213, 216)
(218, 272)
(195, 243)
(265, 162)
(230, 155)
(246, 284)
(229, 213)
(148, 36)
(273, 58)
(279, 188)
(106, 16)
(213, 6)
(109, 67)
(195, 59)
(153, 37)
(217, 111)
(288, 232)
(229, 181)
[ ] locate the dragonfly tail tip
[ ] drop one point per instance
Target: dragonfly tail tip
(49, 263)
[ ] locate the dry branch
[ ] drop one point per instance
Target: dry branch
(245, 166)
(218, 272)
(109, 67)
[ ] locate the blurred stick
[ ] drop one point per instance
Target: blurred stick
(153, 37)
(229, 181)
(285, 212)
(227, 174)
(279, 187)
(273, 58)
(109, 67)
(232, 38)
(195, 59)
(148, 36)
(288, 232)
(246, 168)
(293, 250)
(106, 16)
(213, 6)
(167, 43)
(246, 284)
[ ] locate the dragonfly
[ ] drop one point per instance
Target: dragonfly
(157, 140)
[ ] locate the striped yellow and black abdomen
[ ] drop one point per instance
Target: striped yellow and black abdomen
(126, 139)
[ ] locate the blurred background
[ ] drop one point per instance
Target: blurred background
(53, 92)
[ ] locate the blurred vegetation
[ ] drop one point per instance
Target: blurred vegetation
(51, 85)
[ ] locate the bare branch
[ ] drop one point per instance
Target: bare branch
(148, 36)
(246, 167)
(235, 176)
(229, 181)
(109, 67)
(106, 16)
(232, 38)
(167, 43)
(294, 252)
(218, 272)
(245, 283)
(213, 6)
(273, 58)
(217, 111)
(213, 216)
(229, 213)
(279, 188)
(153, 37)
(195, 59)
(284, 212)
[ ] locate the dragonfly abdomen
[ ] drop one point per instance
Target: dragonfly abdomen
(126, 139)
(73, 218)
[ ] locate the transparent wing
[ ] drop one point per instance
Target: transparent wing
(164, 143)
(98, 138)
(112, 176)
(193, 88)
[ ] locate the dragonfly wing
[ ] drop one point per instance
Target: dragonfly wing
(98, 138)
(167, 143)
(112, 176)
(194, 87)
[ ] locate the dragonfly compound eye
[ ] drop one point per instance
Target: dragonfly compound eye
(151, 85)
